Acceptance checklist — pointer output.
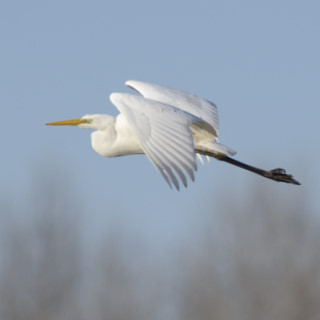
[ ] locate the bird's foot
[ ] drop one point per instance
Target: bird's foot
(281, 176)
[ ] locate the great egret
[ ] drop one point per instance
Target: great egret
(170, 126)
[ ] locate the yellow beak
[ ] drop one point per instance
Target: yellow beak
(73, 122)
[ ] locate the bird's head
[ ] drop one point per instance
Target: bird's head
(89, 121)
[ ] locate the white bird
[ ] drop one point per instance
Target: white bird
(170, 126)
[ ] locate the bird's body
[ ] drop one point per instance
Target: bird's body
(170, 126)
(116, 139)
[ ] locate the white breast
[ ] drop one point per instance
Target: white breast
(116, 141)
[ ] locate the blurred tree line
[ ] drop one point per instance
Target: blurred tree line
(258, 258)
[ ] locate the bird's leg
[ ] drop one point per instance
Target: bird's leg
(275, 174)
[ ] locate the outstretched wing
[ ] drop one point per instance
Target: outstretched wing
(201, 108)
(164, 134)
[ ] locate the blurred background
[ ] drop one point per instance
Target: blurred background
(84, 237)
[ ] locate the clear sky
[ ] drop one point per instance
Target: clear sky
(258, 61)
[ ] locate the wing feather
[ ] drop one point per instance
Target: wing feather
(165, 166)
(205, 110)
(173, 166)
(176, 161)
(164, 134)
(177, 153)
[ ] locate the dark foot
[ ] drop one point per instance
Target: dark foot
(280, 175)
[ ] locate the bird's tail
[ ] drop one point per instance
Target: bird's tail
(216, 148)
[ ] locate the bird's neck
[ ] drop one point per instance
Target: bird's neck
(103, 140)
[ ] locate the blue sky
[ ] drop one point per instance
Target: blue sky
(258, 61)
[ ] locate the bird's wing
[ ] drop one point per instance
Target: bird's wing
(164, 134)
(201, 108)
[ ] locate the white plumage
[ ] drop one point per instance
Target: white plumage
(170, 126)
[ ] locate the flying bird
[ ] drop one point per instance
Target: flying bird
(171, 127)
